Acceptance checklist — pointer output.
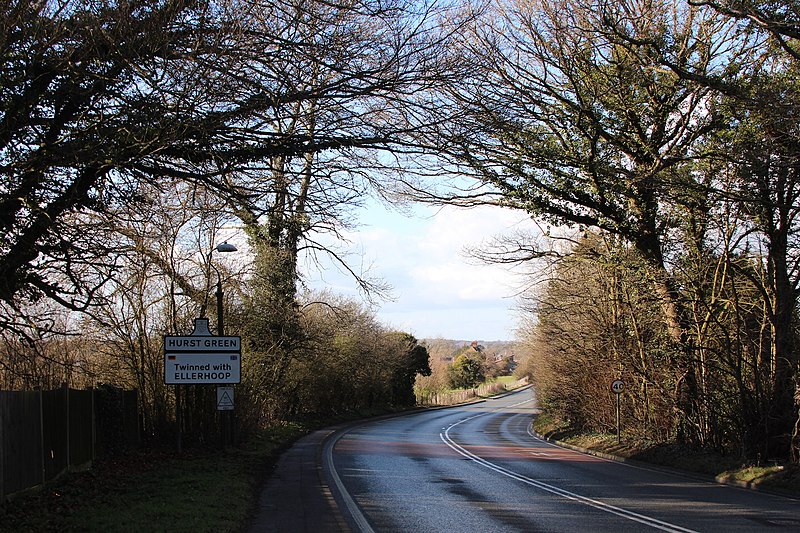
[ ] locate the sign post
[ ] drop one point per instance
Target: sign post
(617, 386)
(202, 358)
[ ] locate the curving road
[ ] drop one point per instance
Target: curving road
(478, 468)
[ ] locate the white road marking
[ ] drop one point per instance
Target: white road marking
(355, 513)
(624, 513)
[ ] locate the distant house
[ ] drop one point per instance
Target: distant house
(503, 356)
(506, 361)
(477, 347)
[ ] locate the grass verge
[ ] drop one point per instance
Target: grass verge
(782, 478)
(155, 491)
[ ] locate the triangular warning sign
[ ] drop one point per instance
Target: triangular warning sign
(225, 398)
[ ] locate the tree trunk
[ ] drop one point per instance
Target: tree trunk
(781, 413)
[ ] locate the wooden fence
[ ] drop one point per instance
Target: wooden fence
(44, 433)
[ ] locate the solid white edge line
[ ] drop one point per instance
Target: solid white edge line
(327, 464)
(624, 513)
(352, 507)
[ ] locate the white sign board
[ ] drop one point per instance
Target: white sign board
(191, 360)
(206, 367)
(617, 386)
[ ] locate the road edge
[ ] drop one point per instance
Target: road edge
(661, 468)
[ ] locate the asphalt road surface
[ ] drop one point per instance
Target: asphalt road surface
(478, 468)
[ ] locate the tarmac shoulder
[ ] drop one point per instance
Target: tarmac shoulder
(296, 498)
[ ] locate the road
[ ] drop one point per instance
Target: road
(478, 468)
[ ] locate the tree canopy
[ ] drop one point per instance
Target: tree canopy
(102, 101)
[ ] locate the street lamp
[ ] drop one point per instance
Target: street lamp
(225, 421)
(222, 248)
(226, 247)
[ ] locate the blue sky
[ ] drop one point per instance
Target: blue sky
(437, 291)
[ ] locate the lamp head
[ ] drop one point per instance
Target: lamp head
(226, 247)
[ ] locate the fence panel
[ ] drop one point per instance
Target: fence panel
(21, 439)
(42, 433)
(130, 416)
(108, 420)
(55, 428)
(81, 427)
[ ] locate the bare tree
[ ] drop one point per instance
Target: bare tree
(242, 97)
(757, 82)
(781, 19)
(564, 121)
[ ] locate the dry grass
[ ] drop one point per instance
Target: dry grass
(784, 478)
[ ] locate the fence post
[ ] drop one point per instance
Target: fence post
(65, 392)
(41, 433)
(94, 428)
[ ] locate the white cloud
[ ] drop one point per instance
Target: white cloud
(438, 291)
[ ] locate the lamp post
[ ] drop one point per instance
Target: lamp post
(225, 422)
(224, 247)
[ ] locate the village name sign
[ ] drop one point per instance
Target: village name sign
(202, 358)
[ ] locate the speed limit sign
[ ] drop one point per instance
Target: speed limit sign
(617, 386)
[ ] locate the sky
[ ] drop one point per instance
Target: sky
(437, 291)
